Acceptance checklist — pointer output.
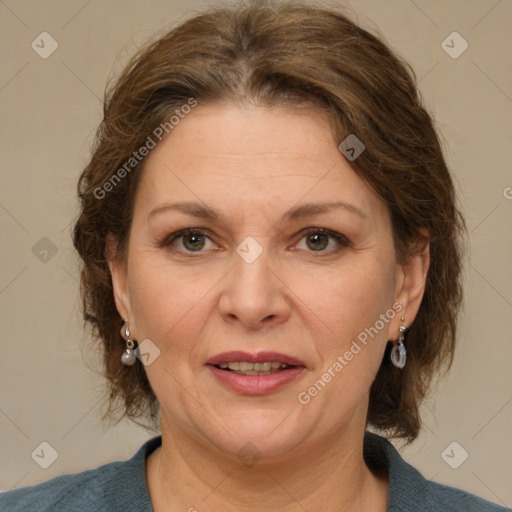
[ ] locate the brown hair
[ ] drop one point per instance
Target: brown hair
(282, 54)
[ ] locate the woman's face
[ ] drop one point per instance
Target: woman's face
(267, 274)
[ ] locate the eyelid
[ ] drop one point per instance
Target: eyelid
(169, 240)
(186, 231)
(339, 238)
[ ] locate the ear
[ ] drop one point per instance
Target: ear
(118, 272)
(410, 284)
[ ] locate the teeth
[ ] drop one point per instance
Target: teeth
(253, 368)
(254, 372)
(244, 366)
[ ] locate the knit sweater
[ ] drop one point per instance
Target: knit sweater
(121, 487)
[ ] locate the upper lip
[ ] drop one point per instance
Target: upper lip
(260, 357)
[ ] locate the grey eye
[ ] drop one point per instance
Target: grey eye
(317, 241)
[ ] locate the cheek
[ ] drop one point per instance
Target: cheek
(166, 304)
(349, 343)
(349, 308)
(366, 294)
(347, 300)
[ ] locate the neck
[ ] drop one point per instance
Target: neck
(185, 474)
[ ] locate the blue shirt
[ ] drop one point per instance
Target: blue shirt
(121, 487)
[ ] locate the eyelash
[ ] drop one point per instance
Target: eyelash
(340, 239)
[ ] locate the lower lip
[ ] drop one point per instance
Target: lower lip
(256, 384)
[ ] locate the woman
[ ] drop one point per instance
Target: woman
(271, 262)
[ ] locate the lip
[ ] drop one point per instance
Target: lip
(260, 357)
(255, 384)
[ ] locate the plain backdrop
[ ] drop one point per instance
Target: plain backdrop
(50, 108)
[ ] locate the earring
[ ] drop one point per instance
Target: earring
(128, 357)
(398, 352)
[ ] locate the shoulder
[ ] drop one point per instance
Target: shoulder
(409, 490)
(114, 486)
(452, 499)
(81, 491)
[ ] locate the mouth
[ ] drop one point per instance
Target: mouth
(260, 364)
(245, 368)
(255, 374)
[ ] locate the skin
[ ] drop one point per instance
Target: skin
(253, 164)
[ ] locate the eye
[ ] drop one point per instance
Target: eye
(192, 240)
(317, 239)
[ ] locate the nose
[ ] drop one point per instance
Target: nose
(254, 294)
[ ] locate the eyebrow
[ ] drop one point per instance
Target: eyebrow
(294, 214)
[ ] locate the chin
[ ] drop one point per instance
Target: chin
(259, 434)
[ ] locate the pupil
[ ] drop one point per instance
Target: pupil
(194, 245)
(317, 238)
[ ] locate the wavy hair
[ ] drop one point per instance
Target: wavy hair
(281, 54)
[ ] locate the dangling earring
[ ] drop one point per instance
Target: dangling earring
(398, 352)
(128, 357)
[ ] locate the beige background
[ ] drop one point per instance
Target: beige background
(50, 109)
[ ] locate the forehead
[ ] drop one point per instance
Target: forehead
(262, 132)
(265, 155)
